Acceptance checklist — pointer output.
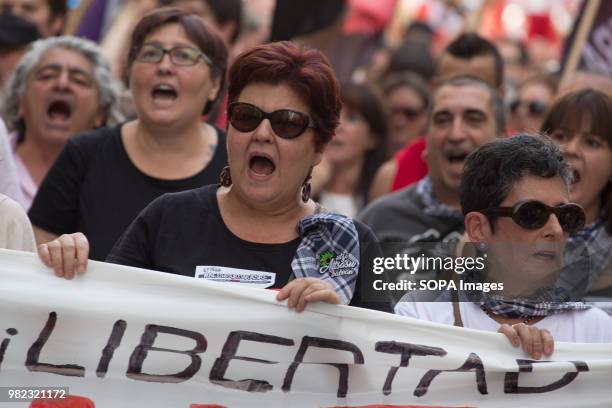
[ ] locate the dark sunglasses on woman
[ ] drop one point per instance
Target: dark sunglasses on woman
(533, 214)
(286, 123)
(534, 108)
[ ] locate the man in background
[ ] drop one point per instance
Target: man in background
(466, 113)
(469, 54)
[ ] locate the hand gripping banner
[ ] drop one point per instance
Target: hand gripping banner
(126, 337)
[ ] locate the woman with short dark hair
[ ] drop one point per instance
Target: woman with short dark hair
(518, 215)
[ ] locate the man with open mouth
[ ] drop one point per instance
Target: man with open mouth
(61, 87)
(466, 112)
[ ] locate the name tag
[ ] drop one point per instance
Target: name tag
(256, 279)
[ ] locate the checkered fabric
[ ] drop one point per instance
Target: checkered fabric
(333, 234)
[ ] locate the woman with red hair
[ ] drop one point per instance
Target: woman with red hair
(259, 226)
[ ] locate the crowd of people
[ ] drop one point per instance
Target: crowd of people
(177, 145)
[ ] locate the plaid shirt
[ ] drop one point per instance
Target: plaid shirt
(599, 246)
(527, 308)
(544, 302)
(329, 250)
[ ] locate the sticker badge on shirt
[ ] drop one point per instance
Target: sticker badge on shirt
(337, 265)
(247, 277)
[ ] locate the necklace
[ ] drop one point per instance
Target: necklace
(526, 319)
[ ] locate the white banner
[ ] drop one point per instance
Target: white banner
(126, 337)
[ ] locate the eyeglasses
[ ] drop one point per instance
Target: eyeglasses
(533, 214)
(286, 124)
(534, 108)
(182, 56)
(408, 113)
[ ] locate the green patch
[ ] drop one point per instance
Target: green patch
(326, 257)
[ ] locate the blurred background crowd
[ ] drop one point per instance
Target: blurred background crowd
(388, 54)
(97, 122)
(422, 85)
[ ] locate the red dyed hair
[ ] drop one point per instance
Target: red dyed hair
(305, 70)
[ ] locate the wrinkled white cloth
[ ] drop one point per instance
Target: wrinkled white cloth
(9, 179)
(15, 228)
(575, 326)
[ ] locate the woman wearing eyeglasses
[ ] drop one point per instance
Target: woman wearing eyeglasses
(515, 197)
(258, 227)
(103, 179)
(580, 123)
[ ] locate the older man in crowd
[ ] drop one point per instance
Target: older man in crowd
(61, 87)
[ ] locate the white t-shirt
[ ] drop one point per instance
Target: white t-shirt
(576, 326)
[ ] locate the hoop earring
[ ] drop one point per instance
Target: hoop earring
(306, 187)
(225, 178)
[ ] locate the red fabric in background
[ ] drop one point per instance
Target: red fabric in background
(72, 401)
(410, 165)
(540, 25)
(207, 406)
(367, 16)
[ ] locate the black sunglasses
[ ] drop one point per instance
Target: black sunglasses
(533, 214)
(534, 108)
(286, 124)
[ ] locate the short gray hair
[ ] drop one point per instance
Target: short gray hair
(109, 88)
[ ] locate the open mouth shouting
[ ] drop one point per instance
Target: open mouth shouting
(164, 94)
(455, 159)
(576, 176)
(59, 111)
(261, 166)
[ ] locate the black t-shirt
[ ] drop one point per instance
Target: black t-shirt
(94, 188)
(184, 233)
